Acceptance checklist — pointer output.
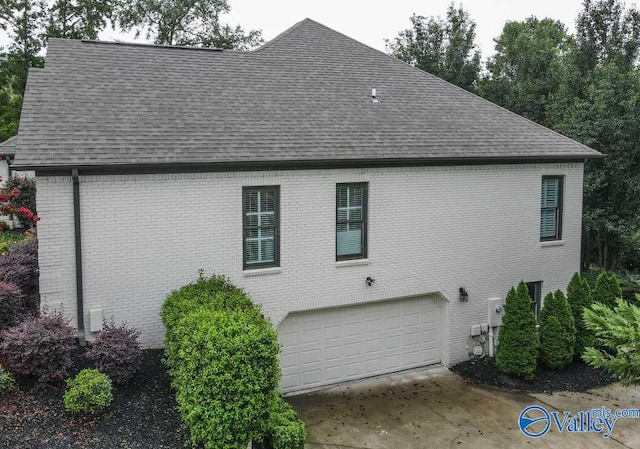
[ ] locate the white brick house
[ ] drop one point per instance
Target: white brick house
(165, 151)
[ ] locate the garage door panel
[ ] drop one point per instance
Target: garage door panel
(334, 345)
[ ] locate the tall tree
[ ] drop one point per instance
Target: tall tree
(598, 104)
(443, 47)
(185, 22)
(521, 73)
(10, 106)
(24, 19)
(78, 19)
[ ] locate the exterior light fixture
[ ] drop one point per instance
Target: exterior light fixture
(464, 296)
(370, 281)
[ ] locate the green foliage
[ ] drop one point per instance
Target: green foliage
(195, 23)
(225, 371)
(78, 19)
(10, 108)
(521, 74)
(618, 333)
(216, 293)
(222, 355)
(445, 48)
(89, 392)
(517, 349)
(629, 285)
(285, 431)
(598, 104)
(7, 382)
(579, 297)
(607, 289)
(557, 332)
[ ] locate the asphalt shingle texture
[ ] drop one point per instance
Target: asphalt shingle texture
(8, 147)
(304, 96)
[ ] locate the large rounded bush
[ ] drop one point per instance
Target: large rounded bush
(89, 392)
(214, 293)
(225, 370)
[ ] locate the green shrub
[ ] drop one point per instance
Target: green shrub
(629, 285)
(7, 382)
(607, 289)
(225, 370)
(579, 297)
(285, 431)
(557, 332)
(89, 392)
(214, 293)
(517, 349)
(617, 331)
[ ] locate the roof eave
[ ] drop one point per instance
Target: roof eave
(182, 167)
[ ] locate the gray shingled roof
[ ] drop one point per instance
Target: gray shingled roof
(304, 96)
(8, 147)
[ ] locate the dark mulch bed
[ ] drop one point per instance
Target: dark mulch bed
(142, 415)
(576, 377)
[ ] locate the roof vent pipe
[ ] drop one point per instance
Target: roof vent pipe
(374, 96)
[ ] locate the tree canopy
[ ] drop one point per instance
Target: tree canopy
(186, 22)
(444, 47)
(521, 75)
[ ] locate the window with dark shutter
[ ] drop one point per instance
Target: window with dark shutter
(551, 208)
(351, 221)
(260, 212)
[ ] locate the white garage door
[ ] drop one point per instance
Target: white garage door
(327, 346)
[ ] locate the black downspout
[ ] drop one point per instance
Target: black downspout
(79, 291)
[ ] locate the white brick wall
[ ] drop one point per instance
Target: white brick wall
(431, 229)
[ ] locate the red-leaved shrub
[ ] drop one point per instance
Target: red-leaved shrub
(38, 347)
(116, 352)
(12, 309)
(20, 267)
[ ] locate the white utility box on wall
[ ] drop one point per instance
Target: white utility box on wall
(496, 310)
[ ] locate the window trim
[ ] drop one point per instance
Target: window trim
(365, 221)
(537, 300)
(276, 249)
(559, 208)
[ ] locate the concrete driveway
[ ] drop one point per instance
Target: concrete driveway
(437, 409)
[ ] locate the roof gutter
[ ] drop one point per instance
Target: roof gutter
(182, 167)
(78, 245)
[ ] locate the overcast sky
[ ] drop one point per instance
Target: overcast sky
(372, 22)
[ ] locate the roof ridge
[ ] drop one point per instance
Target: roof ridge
(146, 45)
(283, 34)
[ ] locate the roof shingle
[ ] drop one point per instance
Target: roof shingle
(304, 96)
